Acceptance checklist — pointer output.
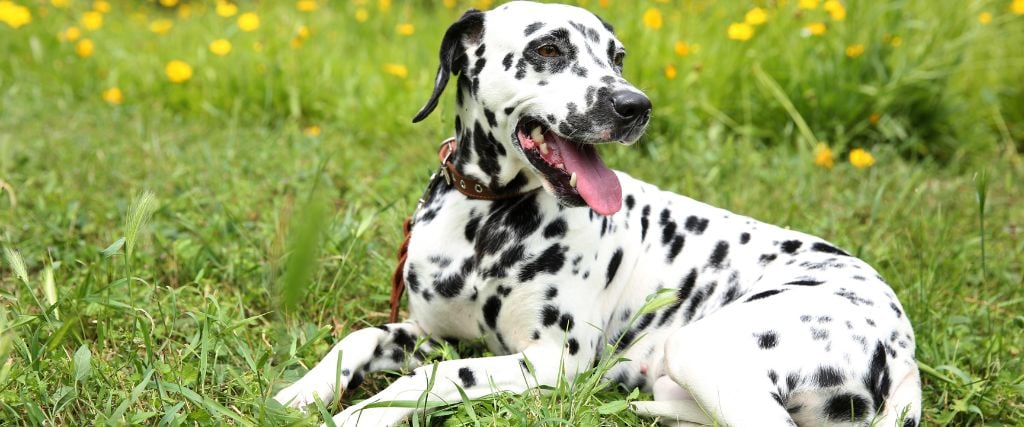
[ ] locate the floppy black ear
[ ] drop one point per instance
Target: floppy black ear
(452, 55)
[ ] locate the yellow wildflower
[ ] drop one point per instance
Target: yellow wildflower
(71, 34)
(60, 4)
(1017, 7)
(823, 156)
(84, 48)
(185, 11)
(397, 70)
(652, 18)
(311, 131)
(740, 31)
(836, 9)
(384, 5)
(814, 29)
(603, 3)
(450, 4)
(178, 71)
(861, 159)
(483, 4)
(807, 4)
(306, 5)
(671, 72)
(896, 41)
(755, 16)
(101, 6)
(874, 118)
(226, 9)
(362, 15)
(220, 47)
(682, 48)
(92, 20)
(161, 26)
(984, 18)
(168, 3)
(855, 50)
(113, 96)
(248, 21)
(301, 34)
(405, 29)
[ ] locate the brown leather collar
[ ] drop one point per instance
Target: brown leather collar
(466, 185)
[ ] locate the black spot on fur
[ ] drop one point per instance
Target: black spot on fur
(467, 377)
(509, 110)
(685, 288)
(520, 69)
(574, 346)
(644, 222)
(549, 315)
(696, 225)
(551, 293)
(767, 340)
(630, 202)
(491, 309)
(877, 380)
(774, 376)
(764, 294)
(532, 28)
(790, 246)
(412, 280)
(471, 227)
(719, 254)
(613, 267)
(507, 62)
(675, 247)
(828, 376)
(910, 422)
(895, 308)
(805, 282)
(492, 121)
(356, 381)
(556, 228)
(550, 261)
(565, 322)
(846, 407)
(744, 238)
(766, 258)
(822, 247)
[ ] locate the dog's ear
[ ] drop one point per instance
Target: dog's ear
(470, 28)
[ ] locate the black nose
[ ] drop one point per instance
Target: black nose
(631, 105)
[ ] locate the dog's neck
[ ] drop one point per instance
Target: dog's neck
(484, 150)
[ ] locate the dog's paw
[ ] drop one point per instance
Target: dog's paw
(303, 393)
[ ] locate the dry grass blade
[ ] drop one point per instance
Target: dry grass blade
(138, 215)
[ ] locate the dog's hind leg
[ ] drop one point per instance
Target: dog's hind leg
(672, 405)
(387, 347)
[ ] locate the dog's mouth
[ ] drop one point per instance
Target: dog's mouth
(572, 170)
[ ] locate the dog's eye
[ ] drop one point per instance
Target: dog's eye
(618, 59)
(549, 51)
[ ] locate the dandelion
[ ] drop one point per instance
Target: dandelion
(248, 21)
(814, 29)
(855, 50)
(161, 26)
(71, 34)
(113, 96)
(101, 6)
(603, 3)
(755, 16)
(682, 49)
(185, 11)
(168, 3)
(984, 18)
(740, 31)
(1017, 7)
(671, 72)
(397, 70)
(836, 9)
(450, 4)
(896, 41)
(652, 18)
(823, 156)
(311, 131)
(92, 20)
(861, 159)
(306, 5)
(178, 71)
(384, 5)
(362, 15)
(60, 4)
(483, 4)
(14, 15)
(301, 34)
(225, 9)
(220, 47)
(807, 4)
(85, 48)
(405, 29)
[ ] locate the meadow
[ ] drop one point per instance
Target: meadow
(198, 198)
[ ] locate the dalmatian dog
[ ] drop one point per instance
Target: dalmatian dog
(769, 326)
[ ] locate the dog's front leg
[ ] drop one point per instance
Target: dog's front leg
(477, 377)
(364, 351)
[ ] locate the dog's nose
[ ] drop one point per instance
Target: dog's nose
(631, 105)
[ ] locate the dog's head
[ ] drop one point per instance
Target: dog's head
(544, 81)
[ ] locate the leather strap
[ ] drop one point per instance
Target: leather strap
(468, 186)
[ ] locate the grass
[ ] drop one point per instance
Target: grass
(193, 306)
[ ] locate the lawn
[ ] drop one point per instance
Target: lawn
(197, 199)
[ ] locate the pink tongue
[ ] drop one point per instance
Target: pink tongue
(597, 184)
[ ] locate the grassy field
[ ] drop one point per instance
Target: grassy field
(151, 211)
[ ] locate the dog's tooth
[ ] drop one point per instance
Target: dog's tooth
(544, 147)
(537, 136)
(572, 180)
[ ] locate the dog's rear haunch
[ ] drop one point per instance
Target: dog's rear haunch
(771, 326)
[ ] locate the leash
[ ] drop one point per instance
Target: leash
(468, 186)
